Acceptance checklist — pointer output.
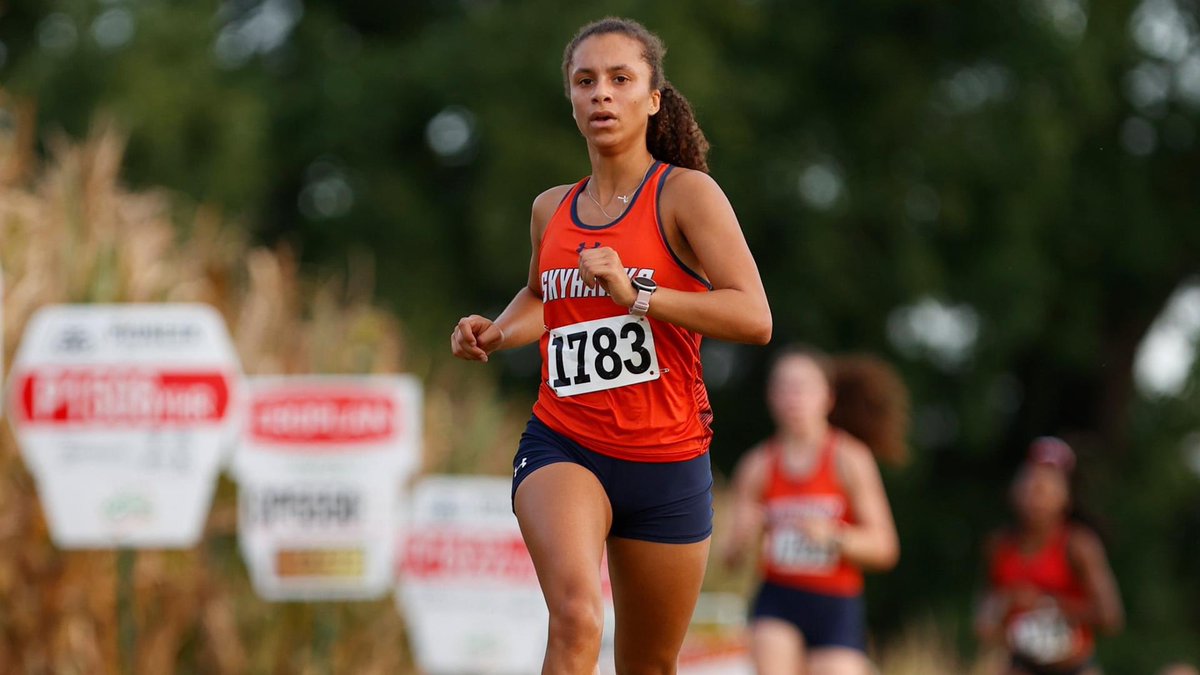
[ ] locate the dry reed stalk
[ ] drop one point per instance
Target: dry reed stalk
(70, 232)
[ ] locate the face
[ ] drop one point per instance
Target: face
(799, 394)
(611, 98)
(1040, 494)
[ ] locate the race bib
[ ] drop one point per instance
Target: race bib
(792, 551)
(602, 354)
(1042, 635)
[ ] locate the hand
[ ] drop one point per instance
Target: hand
(603, 266)
(1026, 597)
(474, 337)
(821, 530)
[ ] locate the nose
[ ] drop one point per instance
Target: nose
(602, 92)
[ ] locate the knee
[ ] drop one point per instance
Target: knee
(577, 623)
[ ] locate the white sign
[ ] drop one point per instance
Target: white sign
(123, 414)
(467, 586)
(319, 472)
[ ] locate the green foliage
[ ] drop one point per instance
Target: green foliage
(979, 154)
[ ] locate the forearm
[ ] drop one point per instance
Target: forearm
(521, 321)
(867, 548)
(724, 314)
(1091, 612)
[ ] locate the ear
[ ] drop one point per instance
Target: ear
(655, 101)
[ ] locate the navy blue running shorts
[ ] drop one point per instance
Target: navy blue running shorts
(665, 502)
(824, 620)
(1027, 667)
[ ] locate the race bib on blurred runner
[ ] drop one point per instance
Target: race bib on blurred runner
(1042, 635)
(793, 551)
(602, 354)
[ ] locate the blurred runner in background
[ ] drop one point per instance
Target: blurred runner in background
(1050, 585)
(814, 490)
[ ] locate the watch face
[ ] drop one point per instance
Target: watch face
(645, 284)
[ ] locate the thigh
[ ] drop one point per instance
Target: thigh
(565, 516)
(777, 647)
(838, 661)
(655, 587)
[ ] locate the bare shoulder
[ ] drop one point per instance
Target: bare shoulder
(546, 203)
(1083, 542)
(853, 456)
(684, 186)
(752, 468)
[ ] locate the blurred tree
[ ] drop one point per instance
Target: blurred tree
(1000, 195)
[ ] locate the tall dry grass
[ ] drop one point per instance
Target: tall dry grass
(71, 232)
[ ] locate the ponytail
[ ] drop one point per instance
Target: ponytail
(872, 404)
(870, 400)
(673, 135)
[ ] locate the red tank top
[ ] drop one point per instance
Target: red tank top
(620, 385)
(789, 557)
(1042, 632)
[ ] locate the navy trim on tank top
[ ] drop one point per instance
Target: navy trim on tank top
(575, 201)
(662, 231)
(564, 197)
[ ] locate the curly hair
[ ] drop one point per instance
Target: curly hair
(870, 400)
(673, 135)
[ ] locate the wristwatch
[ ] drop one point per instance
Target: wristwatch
(645, 286)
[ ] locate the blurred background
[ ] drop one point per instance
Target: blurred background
(1001, 197)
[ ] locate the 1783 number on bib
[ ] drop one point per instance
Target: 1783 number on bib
(602, 354)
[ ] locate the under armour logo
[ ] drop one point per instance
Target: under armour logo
(583, 245)
(524, 461)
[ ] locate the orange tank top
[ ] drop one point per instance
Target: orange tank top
(789, 557)
(1042, 632)
(623, 386)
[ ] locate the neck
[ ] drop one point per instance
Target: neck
(803, 441)
(618, 174)
(1037, 532)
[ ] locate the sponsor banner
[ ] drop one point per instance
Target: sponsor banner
(319, 472)
(124, 414)
(313, 537)
(466, 585)
(326, 419)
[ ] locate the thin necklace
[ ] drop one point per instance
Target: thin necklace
(624, 199)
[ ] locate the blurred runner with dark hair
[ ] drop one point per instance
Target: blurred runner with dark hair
(1050, 585)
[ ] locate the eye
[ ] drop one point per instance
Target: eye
(621, 79)
(584, 81)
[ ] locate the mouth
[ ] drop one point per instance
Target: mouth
(602, 119)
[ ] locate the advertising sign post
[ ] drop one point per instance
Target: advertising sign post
(124, 414)
(319, 473)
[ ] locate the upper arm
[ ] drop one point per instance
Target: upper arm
(696, 209)
(1091, 563)
(864, 486)
(750, 477)
(544, 206)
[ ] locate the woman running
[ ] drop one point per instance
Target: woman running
(630, 267)
(1051, 587)
(812, 495)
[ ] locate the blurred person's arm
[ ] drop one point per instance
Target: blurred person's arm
(1102, 608)
(871, 543)
(747, 515)
(994, 603)
(521, 322)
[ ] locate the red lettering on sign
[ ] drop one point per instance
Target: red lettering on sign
(122, 396)
(316, 417)
(445, 555)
